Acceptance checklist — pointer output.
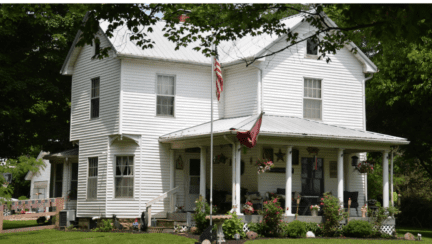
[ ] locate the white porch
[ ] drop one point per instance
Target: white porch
(336, 147)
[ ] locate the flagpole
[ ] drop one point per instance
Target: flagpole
(211, 143)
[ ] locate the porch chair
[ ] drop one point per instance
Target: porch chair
(354, 200)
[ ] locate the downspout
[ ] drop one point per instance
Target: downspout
(364, 101)
(259, 90)
(233, 173)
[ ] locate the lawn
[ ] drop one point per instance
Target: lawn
(7, 224)
(55, 236)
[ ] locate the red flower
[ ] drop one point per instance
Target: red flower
(322, 203)
(275, 200)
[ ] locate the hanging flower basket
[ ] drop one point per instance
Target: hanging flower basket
(365, 167)
(264, 165)
(220, 159)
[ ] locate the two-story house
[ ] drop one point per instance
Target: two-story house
(141, 119)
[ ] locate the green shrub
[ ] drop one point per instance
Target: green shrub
(232, 226)
(272, 216)
(358, 228)
(258, 228)
(332, 213)
(22, 198)
(201, 211)
(294, 229)
(105, 226)
(314, 227)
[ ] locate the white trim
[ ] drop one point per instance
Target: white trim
(174, 96)
(133, 176)
(121, 98)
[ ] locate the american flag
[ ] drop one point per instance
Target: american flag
(219, 80)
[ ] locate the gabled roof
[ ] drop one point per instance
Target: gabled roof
(30, 174)
(246, 47)
(286, 126)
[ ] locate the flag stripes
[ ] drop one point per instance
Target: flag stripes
(219, 80)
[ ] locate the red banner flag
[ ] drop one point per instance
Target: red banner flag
(219, 80)
(249, 138)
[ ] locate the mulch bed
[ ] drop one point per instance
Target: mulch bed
(241, 241)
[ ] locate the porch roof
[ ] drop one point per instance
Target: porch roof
(285, 126)
(71, 153)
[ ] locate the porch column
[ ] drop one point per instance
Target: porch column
(203, 172)
(340, 175)
(233, 165)
(238, 170)
(385, 179)
(288, 182)
(391, 180)
(172, 178)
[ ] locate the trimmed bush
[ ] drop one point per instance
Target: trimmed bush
(258, 228)
(232, 226)
(294, 229)
(358, 228)
(314, 227)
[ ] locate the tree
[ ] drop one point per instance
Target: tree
(35, 98)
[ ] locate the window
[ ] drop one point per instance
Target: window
(124, 177)
(311, 47)
(94, 110)
(74, 182)
(58, 180)
(312, 99)
(333, 169)
(165, 95)
(97, 47)
(92, 178)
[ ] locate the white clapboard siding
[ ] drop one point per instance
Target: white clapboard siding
(342, 92)
(240, 87)
(179, 179)
(85, 69)
(92, 147)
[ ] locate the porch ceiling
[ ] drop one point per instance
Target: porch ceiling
(284, 128)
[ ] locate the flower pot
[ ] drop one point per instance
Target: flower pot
(314, 212)
(364, 213)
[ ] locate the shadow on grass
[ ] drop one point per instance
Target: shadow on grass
(426, 233)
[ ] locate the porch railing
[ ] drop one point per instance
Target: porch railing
(171, 193)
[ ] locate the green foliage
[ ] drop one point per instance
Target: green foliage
(294, 229)
(332, 213)
(22, 198)
(358, 228)
(19, 168)
(105, 226)
(314, 227)
(201, 211)
(378, 216)
(272, 216)
(415, 212)
(258, 228)
(232, 226)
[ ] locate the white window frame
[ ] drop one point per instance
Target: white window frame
(164, 95)
(94, 98)
(92, 175)
(124, 176)
(313, 98)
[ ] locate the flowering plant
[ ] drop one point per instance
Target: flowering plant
(272, 216)
(315, 207)
(220, 159)
(365, 167)
(248, 208)
(264, 165)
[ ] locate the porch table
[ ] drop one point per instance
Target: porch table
(218, 221)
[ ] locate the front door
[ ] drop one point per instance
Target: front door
(312, 177)
(193, 183)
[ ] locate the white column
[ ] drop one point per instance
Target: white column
(340, 175)
(238, 170)
(172, 178)
(385, 180)
(391, 179)
(288, 182)
(203, 172)
(233, 165)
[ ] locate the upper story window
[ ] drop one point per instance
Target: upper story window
(94, 107)
(165, 92)
(311, 47)
(124, 177)
(312, 102)
(92, 178)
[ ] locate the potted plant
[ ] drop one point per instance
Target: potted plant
(364, 211)
(248, 208)
(365, 167)
(314, 210)
(264, 165)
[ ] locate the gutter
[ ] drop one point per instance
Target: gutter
(120, 55)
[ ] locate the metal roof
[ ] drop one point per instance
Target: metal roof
(65, 154)
(286, 126)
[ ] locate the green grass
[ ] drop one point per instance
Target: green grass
(7, 224)
(55, 236)
(426, 233)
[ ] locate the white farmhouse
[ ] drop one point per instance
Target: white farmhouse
(141, 120)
